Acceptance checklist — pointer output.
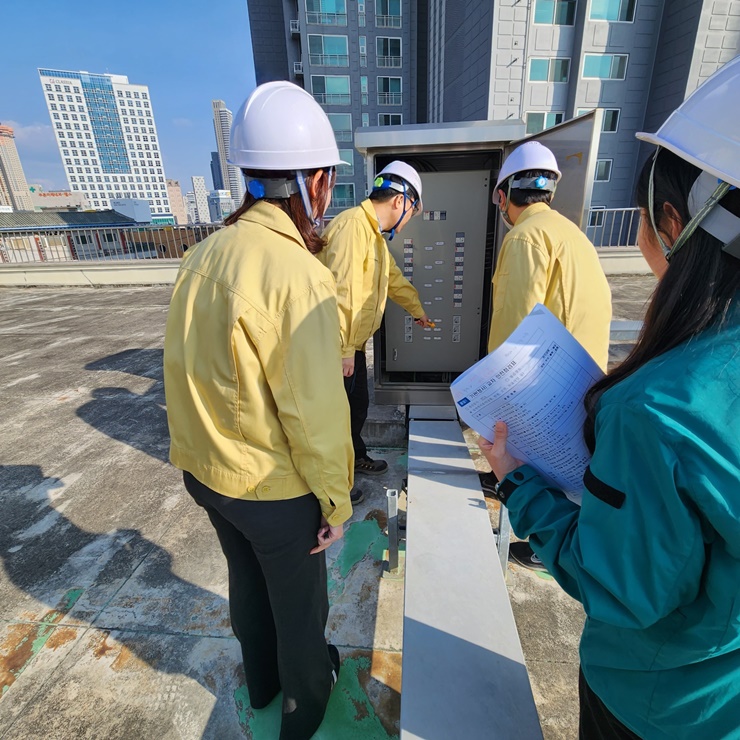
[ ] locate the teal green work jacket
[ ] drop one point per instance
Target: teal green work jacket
(654, 553)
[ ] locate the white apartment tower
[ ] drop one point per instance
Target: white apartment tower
(189, 199)
(13, 186)
(230, 175)
(202, 214)
(107, 138)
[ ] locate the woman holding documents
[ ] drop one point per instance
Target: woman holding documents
(653, 554)
(252, 363)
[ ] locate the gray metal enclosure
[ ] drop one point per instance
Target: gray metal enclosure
(448, 251)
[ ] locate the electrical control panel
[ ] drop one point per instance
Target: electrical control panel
(441, 252)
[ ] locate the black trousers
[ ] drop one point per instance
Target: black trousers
(596, 721)
(277, 600)
(359, 401)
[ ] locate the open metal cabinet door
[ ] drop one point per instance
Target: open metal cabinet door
(575, 145)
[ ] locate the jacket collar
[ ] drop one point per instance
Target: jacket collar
(530, 211)
(273, 218)
(372, 216)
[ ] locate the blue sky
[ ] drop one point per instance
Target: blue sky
(188, 52)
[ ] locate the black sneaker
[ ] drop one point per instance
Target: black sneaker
(488, 483)
(356, 496)
(336, 662)
(522, 554)
(368, 466)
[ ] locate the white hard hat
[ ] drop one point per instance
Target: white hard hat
(529, 156)
(704, 129)
(405, 172)
(281, 127)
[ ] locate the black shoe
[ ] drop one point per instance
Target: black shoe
(336, 662)
(356, 496)
(522, 554)
(368, 466)
(488, 483)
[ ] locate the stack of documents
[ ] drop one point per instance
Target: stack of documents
(535, 382)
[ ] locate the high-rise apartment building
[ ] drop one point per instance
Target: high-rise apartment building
(547, 61)
(231, 176)
(359, 61)
(220, 205)
(218, 182)
(200, 195)
(543, 61)
(13, 186)
(190, 207)
(107, 138)
(177, 204)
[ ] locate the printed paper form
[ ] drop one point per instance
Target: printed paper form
(535, 382)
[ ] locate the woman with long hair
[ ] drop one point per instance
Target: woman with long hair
(653, 553)
(258, 417)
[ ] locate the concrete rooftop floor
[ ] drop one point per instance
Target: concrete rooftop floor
(113, 610)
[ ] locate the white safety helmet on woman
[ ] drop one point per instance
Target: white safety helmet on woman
(704, 131)
(281, 127)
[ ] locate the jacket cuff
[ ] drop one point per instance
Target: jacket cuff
(338, 514)
(511, 482)
(348, 352)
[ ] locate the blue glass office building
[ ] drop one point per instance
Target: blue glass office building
(107, 138)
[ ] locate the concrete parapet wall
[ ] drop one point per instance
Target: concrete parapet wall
(615, 261)
(622, 261)
(108, 272)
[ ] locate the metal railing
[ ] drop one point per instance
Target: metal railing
(119, 243)
(388, 21)
(389, 61)
(295, 26)
(333, 98)
(608, 227)
(327, 19)
(329, 60)
(298, 68)
(390, 98)
(613, 227)
(342, 203)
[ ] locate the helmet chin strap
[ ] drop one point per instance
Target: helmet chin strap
(306, 198)
(505, 211)
(392, 230)
(711, 198)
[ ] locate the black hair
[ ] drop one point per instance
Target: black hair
(696, 291)
(523, 198)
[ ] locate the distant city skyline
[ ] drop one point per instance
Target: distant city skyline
(181, 89)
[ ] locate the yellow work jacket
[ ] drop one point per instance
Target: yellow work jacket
(366, 275)
(546, 258)
(255, 399)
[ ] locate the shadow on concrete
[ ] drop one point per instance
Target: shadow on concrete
(136, 419)
(108, 608)
(73, 576)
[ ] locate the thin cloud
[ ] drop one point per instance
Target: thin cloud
(34, 138)
(182, 122)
